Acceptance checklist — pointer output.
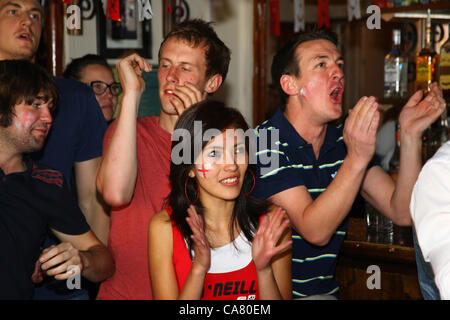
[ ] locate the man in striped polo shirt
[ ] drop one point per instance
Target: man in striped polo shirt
(321, 166)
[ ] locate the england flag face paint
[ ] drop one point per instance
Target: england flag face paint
(203, 169)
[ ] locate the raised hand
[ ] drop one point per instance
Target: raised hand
(360, 130)
(202, 251)
(130, 71)
(418, 114)
(264, 245)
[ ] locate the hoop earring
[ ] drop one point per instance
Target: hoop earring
(253, 186)
(185, 192)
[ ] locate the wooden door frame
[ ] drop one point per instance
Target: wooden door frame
(54, 37)
(259, 61)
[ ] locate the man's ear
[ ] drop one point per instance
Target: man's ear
(289, 85)
(213, 83)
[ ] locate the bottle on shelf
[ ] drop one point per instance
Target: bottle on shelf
(444, 68)
(394, 163)
(438, 134)
(426, 62)
(395, 70)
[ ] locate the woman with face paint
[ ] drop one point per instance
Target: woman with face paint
(213, 240)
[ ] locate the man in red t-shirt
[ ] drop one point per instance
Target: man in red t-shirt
(133, 176)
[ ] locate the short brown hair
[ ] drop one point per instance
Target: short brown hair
(286, 61)
(198, 32)
(21, 80)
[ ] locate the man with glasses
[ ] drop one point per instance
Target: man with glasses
(94, 70)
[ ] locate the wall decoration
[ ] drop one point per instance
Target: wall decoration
(353, 9)
(323, 14)
(299, 15)
(115, 38)
(175, 11)
(274, 6)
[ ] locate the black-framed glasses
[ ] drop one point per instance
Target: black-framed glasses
(99, 87)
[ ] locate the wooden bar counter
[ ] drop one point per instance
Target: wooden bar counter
(394, 256)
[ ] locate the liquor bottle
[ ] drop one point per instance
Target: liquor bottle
(444, 68)
(438, 134)
(426, 62)
(394, 163)
(395, 70)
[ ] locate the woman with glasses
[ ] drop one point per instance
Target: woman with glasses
(95, 72)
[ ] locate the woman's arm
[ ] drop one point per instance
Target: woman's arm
(160, 255)
(162, 270)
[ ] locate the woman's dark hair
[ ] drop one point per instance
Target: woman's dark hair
(75, 68)
(212, 115)
(21, 80)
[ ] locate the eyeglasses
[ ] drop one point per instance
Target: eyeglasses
(100, 87)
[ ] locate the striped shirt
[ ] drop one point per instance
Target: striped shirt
(294, 164)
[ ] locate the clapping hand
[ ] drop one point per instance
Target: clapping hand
(265, 243)
(418, 114)
(202, 259)
(360, 130)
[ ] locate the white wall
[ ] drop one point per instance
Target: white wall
(236, 30)
(234, 25)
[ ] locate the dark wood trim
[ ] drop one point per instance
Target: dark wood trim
(54, 28)
(259, 58)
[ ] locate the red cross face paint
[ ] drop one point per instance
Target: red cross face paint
(203, 169)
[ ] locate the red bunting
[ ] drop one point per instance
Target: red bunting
(169, 9)
(274, 17)
(323, 15)
(380, 3)
(113, 10)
